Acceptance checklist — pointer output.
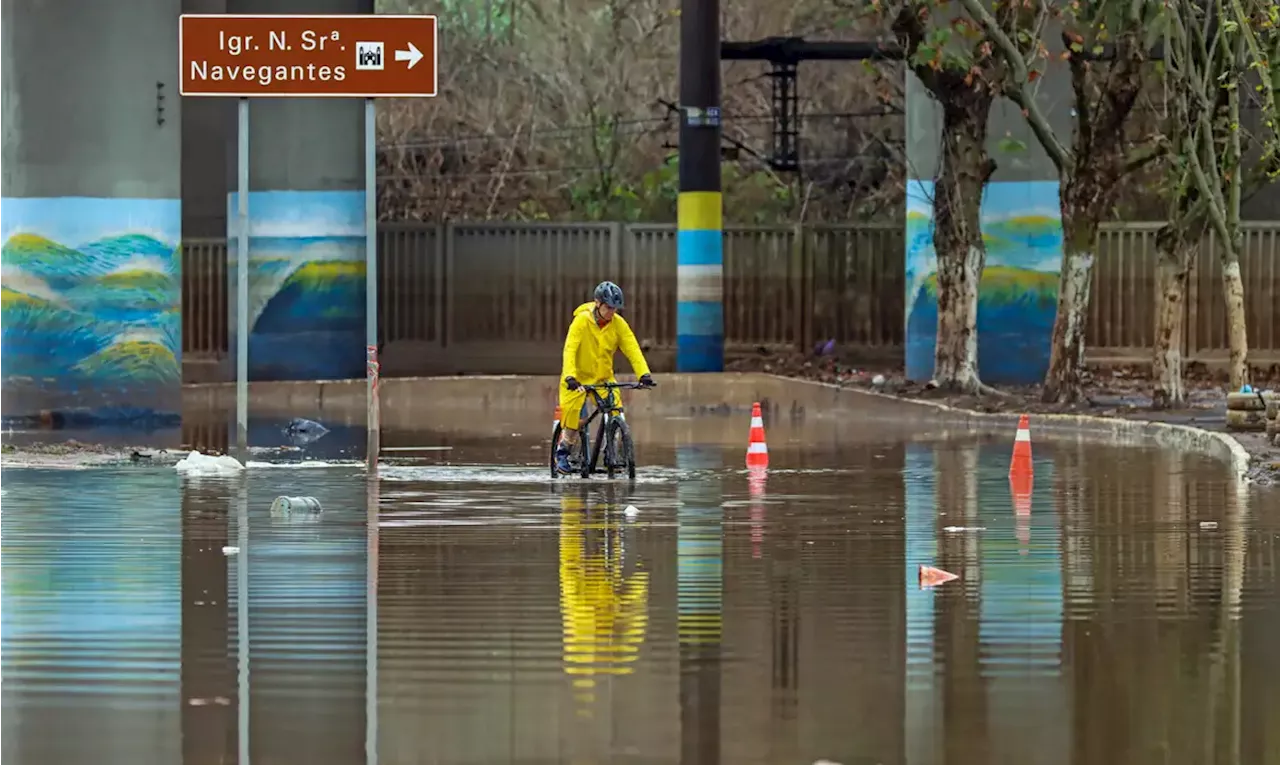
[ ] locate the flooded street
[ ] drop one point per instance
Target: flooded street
(467, 609)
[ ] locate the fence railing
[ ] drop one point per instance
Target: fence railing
(496, 297)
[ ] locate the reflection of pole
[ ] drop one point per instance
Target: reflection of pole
(699, 576)
(242, 283)
(371, 623)
(242, 612)
(206, 672)
(373, 415)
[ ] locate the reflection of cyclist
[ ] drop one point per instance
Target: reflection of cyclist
(596, 333)
(605, 611)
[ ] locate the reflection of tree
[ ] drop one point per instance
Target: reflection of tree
(958, 610)
(605, 610)
(1152, 646)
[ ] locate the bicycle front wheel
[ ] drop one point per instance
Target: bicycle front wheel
(621, 452)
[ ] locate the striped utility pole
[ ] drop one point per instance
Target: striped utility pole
(699, 246)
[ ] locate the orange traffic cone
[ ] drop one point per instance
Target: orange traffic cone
(757, 450)
(1020, 465)
(755, 482)
(557, 416)
(932, 577)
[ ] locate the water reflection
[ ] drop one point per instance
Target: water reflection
(738, 618)
(305, 620)
(604, 593)
(90, 617)
(699, 601)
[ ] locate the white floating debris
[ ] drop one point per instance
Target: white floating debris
(291, 505)
(230, 550)
(961, 529)
(196, 463)
(1208, 524)
(631, 511)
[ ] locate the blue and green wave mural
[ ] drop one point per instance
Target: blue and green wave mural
(1018, 294)
(91, 295)
(306, 283)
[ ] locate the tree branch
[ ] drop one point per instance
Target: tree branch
(1145, 153)
(1018, 90)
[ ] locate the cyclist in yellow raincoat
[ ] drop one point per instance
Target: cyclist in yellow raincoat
(596, 333)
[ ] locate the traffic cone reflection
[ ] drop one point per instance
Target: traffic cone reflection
(755, 483)
(757, 450)
(932, 577)
(1020, 485)
(1020, 465)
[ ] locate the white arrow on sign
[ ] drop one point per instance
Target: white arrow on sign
(413, 55)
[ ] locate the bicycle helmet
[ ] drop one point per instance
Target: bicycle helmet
(610, 294)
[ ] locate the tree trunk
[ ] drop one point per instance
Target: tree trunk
(1237, 326)
(1176, 254)
(1090, 180)
(963, 170)
(1064, 383)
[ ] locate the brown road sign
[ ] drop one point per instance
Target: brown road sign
(335, 56)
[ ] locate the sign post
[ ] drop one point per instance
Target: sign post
(308, 56)
(242, 281)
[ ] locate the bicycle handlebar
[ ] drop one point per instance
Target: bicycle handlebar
(617, 386)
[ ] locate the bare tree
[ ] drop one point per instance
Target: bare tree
(1098, 156)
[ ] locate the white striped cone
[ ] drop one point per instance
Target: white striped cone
(1020, 464)
(757, 449)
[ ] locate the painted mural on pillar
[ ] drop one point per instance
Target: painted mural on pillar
(306, 283)
(1022, 228)
(92, 297)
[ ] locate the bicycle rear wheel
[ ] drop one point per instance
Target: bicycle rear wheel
(620, 452)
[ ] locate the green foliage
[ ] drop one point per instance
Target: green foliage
(750, 197)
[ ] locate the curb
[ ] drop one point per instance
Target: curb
(1166, 434)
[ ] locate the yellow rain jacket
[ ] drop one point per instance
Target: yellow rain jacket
(588, 357)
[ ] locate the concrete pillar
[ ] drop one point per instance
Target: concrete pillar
(1022, 226)
(91, 214)
(306, 226)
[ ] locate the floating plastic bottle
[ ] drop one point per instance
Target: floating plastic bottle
(292, 505)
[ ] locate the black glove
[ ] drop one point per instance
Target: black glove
(647, 381)
(572, 383)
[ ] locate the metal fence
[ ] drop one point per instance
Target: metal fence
(496, 297)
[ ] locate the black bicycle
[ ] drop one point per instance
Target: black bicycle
(613, 437)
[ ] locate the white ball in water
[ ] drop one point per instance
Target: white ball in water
(631, 511)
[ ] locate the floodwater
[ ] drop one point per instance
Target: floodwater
(462, 613)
